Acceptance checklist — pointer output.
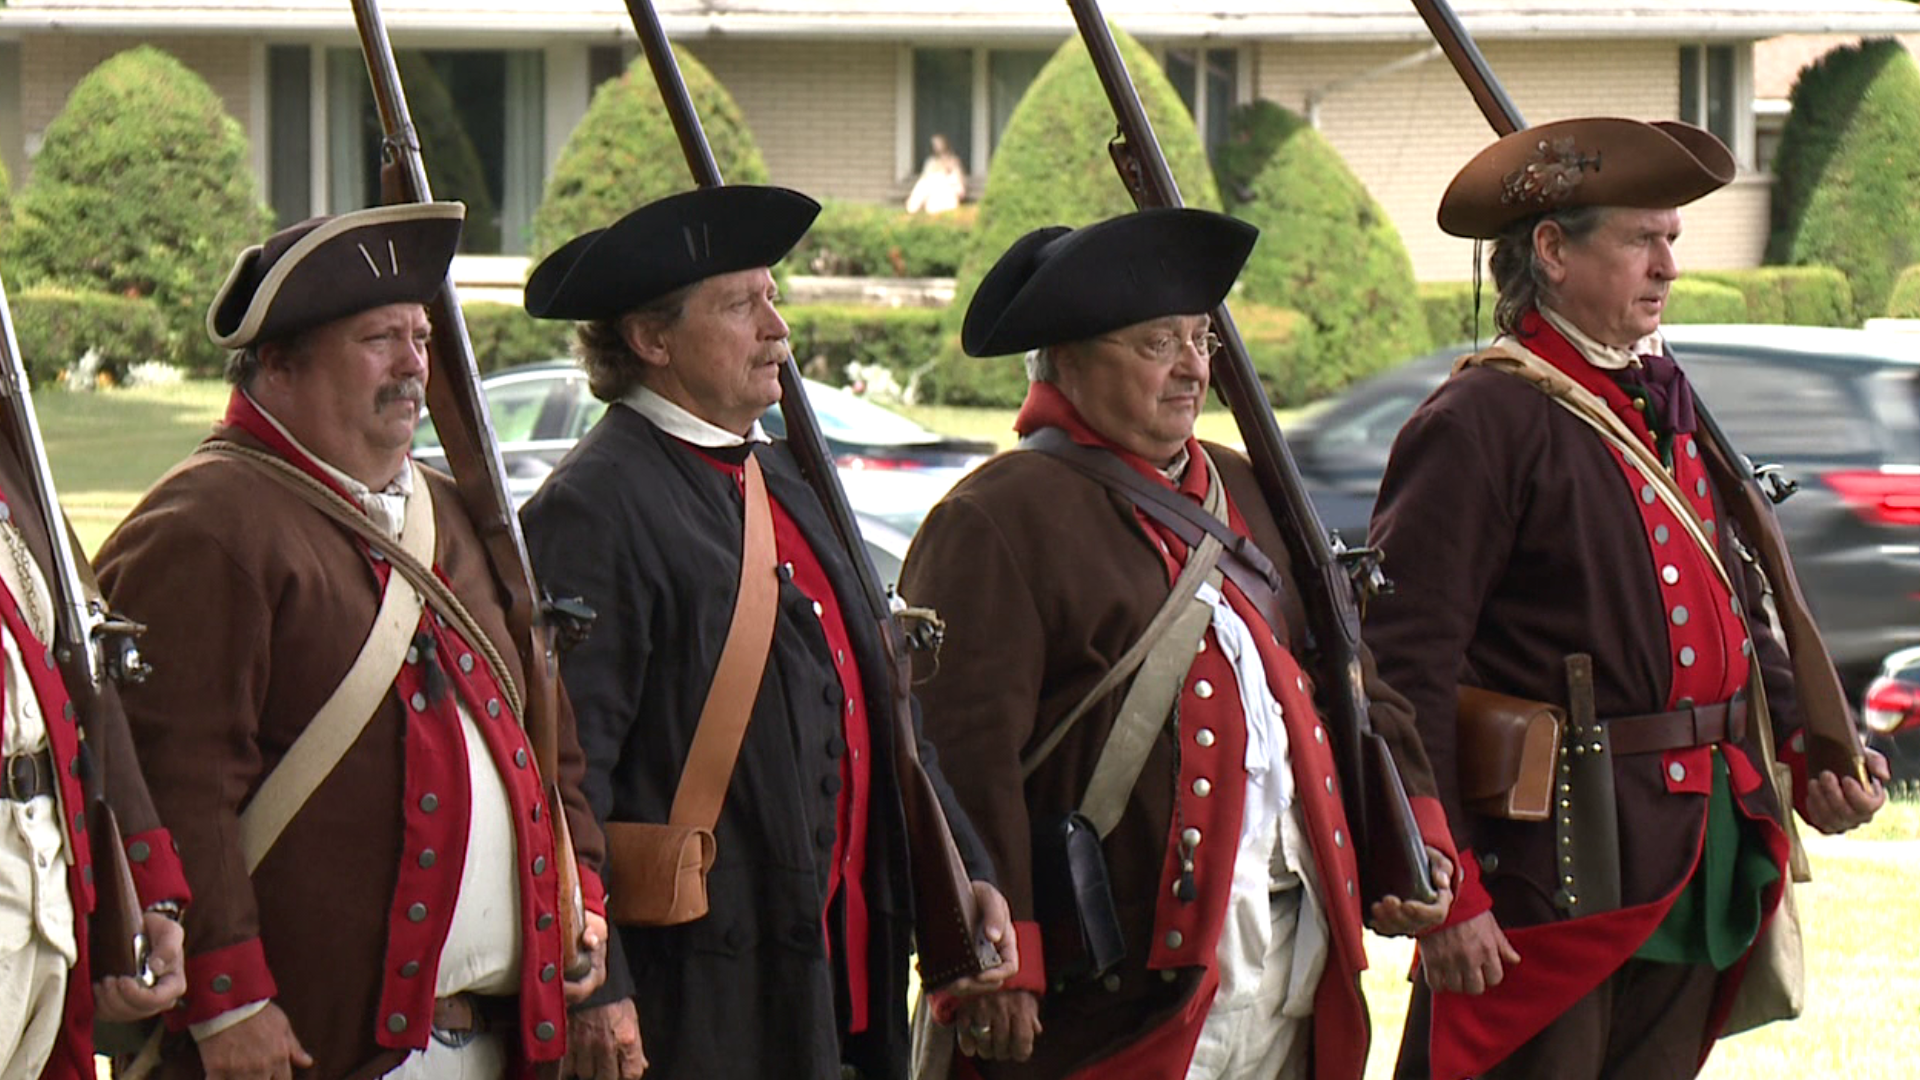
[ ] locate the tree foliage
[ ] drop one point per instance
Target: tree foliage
(1326, 250)
(624, 153)
(1849, 165)
(1052, 168)
(143, 189)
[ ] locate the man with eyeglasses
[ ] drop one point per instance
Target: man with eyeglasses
(1104, 696)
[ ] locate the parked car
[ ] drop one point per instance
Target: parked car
(1838, 410)
(1890, 712)
(893, 469)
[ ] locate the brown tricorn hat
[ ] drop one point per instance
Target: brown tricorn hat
(1593, 161)
(327, 268)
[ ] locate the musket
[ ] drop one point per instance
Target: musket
(458, 403)
(1393, 857)
(1832, 743)
(92, 649)
(946, 918)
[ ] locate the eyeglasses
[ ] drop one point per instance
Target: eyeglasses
(1164, 347)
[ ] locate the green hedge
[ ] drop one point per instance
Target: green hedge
(143, 187)
(1448, 307)
(504, 335)
(1283, 347)
(56, 327)
(624, 154)
(869, 240)
(1790, 295)
(1696, 300)
(827, 337)
(1904, 303)
(1327, 250)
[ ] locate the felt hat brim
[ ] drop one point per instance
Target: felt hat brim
(1056, 285)
(1592, 161)
(327, 268)
(665, 245)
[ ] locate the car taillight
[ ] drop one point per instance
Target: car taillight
(1891, 706)
(856, 461)
(1881, 497)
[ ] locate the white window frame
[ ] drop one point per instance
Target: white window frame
(1742, 143)
(906, 155)
(1242, 72)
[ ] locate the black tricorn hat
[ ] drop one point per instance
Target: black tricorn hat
(327, 268)
(665, 245)
(1058, 284)
(1591, 161)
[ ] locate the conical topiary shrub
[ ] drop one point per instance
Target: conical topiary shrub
(1052, 168)
(1326, 250)
(142, 188)
(624, 153)
(1854, 163)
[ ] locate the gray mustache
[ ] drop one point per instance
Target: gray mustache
(405, 390)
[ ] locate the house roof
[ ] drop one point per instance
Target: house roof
(1777, 63)
(917, 19)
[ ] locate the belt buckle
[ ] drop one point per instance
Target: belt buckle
(21, 774)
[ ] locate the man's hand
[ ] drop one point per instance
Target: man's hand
(1468, 958)
(1392, 916)
(593, 938)
(1835, 805)
(996, 923)
(603, 1043)
(121, 999)
(1000, 1026)
(261, 1047)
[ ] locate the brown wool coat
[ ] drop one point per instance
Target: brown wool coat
(256, 606)
(1044, 578)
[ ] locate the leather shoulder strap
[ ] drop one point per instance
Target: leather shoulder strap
(743, 662)
(339, 723)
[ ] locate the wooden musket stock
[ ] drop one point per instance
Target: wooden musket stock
(1832, 744)
(1393, 858)
(458, 403)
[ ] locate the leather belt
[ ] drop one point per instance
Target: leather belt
(1695, 725)
(28, 776)
(473, 1014)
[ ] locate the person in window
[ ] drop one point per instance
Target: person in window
(1554, 533)
(942, 183)
(1230, 857)
(798, 968)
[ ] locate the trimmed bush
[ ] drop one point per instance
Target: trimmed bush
(854, 239)
(142, 188)
(1904, 303)
(1850, 203)
(1281, 344)
(1448, 307)
(1695, 300)
(504, 335)
(1791, 295)
(1326, 249)
(1052, 168)
(624, 153)
(826, 338)
(57, 326)
(453, 162)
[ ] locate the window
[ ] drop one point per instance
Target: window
(1715, 93)
(966, 95)
(480, 115)
(1208, 80)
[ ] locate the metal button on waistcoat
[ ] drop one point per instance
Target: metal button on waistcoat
(493, 707)
(543, 1030)
(429, 802)
(1339, 838)
(1686, 656)
(1660, 534)
(819, 609)
(1319, 733)
(1203, 689)
(1700, 487)
(417, 912)
(49, 659)
(428, 858)
(1329, 785)
(1670, 574)
(419, 702)
(1489, 863)
(466, 663)
(139, 851)
(1203, 787)
(1647, 495)
(1190, 837)
(222, 983)
(520, 757)
(396, 1023)
(536, 813)
(1175, 939)
(1677, 772)
(539, 865)
(1693, 449)
(409, 969)
(413, 655)
(544, 922)
(824, 836)
(786, 571)
(1110, 984)
(1204, 737)
(548, 972)
(1202, 647)
(1680, 615)
(1708, 526)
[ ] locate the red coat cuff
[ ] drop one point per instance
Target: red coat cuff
(155, 865)
(223, 979)
(1031, 977)
(1470, 897)
(593, 892)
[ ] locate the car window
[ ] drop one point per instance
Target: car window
(1895, 396)
(849, 418)
(1778, 410)
(1365, 434)
(515, 407)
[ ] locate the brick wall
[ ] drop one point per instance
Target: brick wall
(823, 112)
(1406, 133)
(51, 64)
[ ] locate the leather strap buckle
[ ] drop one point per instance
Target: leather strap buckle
(29, 776)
